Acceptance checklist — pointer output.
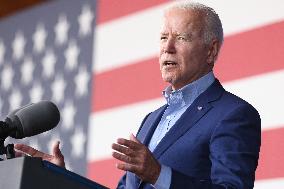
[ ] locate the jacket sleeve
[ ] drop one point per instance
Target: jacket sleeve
(121, 184)
(234, 151)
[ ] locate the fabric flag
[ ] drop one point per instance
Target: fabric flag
(128, 84)
(46, 54)
(125, 73)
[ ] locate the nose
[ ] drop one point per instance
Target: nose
(169, 46)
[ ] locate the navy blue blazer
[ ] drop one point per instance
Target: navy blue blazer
(215, 144)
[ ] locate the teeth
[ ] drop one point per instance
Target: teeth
(169, 63)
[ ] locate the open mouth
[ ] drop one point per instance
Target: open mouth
(169, 63)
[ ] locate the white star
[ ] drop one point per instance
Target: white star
(36, 93)
(68, 113)
(71, 55)
(39, 38)
(78, 140)
(15, 100)
(48, 62)
(27, 70)
(81, 80)
(58, 88)
(7, 77)
(61, 30)
(2, 51)
(18, 45)
(85, 20)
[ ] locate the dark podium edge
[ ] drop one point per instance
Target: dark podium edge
(72, 175)
(31, 172)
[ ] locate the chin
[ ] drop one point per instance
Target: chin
(169, 79)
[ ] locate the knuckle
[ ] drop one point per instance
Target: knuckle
(142, 172)
(128, 151)
(144, 165)
(128, 159)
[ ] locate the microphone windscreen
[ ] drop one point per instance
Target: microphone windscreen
(34, 119)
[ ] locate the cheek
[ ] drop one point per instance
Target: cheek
(189, 57)
(160, 63)
(160, 54)
(161, 49)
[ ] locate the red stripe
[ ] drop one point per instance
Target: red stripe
(252, 52)
(270, 163)
(246, 54)
(112, 9)
(137, 82)
(105, 172)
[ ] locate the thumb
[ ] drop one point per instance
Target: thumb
(58, 157)
(133, 138)
(56, 150)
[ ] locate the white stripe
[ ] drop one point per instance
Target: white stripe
(135, 37)
(105, 127)
(263, 92)
(269, 183)
(242, 15)
(127, 40)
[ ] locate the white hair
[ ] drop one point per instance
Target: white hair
(212, 23)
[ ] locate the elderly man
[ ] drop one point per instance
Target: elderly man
(204, 137)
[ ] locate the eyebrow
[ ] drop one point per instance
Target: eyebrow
(177, 34)
(164, 33)
(183, 34)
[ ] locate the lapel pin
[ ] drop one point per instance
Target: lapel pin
(199, 107)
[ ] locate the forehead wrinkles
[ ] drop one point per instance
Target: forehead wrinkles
(179, 21)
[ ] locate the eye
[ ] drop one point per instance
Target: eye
(181, 38)
(163, 38)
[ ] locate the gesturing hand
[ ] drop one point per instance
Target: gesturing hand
(57, 158)
(136, 158)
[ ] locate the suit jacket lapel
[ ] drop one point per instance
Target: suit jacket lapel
(195, 112)
(145, 134)
(150, 125)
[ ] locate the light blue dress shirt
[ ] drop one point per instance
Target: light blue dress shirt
(178, 101)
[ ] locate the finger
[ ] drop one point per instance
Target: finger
(134, 139)
(56, 150)
(124, 158)
(122, 149)
(20, 147)
(129, 143)
(28, 150)
(127, 167)
(19, 154)
(58, 158)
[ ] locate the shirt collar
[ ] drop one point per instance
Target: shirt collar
(187, 94)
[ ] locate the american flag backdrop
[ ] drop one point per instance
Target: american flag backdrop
(118, 80)
(46, 54)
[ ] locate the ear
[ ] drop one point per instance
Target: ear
(212, 51)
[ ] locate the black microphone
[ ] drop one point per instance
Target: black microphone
(30, 120)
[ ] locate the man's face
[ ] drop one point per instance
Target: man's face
(183, 54)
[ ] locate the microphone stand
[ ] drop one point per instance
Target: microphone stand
(9, 149)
